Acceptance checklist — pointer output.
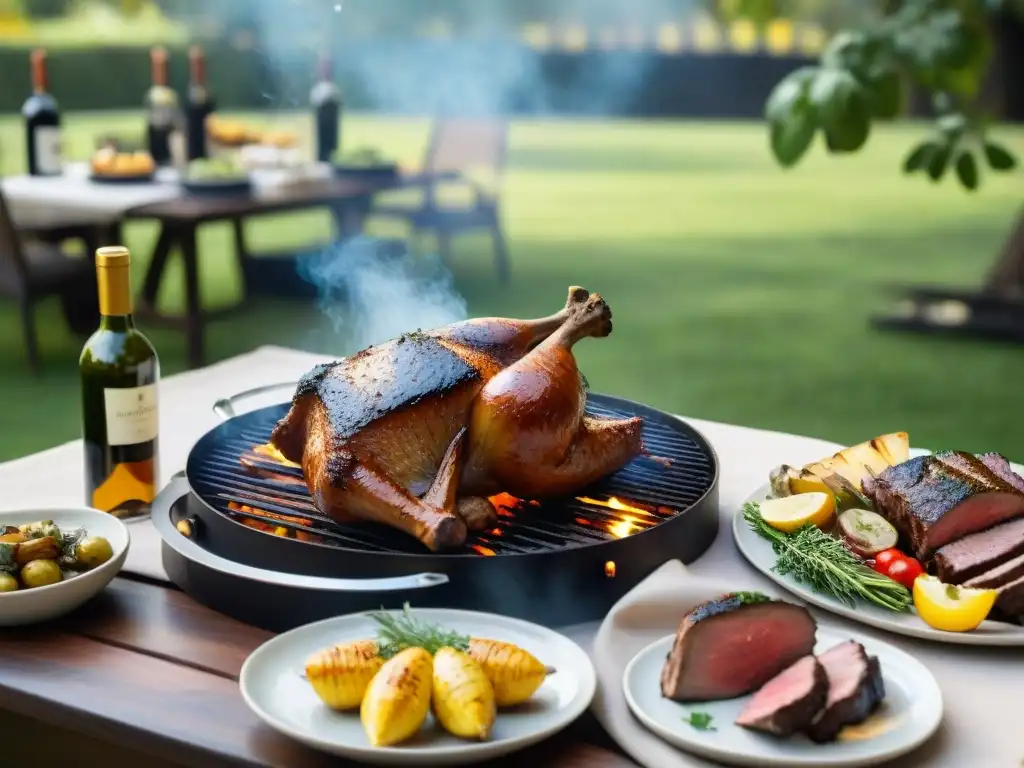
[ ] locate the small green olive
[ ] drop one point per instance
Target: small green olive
(40, 573)
(8, 583)
(93, 551)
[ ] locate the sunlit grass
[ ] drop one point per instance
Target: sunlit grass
(740, 292)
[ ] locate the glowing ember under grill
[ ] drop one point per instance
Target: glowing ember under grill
(505, 504)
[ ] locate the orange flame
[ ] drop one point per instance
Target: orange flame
(482, 550)
(270, 451)
(625, 525)
(277, 530)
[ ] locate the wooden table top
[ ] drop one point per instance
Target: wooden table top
(144, 675)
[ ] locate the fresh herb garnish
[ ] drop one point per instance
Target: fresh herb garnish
(398, 632)
(823, 563)
(700, 720)
(751, 598)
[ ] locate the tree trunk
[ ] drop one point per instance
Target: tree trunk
(1006, 279)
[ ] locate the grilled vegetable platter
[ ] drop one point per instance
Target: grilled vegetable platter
(924, 544)
(751, 680)
(419, 686)
(41, 553)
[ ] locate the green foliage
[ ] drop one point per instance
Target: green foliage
(942, 46)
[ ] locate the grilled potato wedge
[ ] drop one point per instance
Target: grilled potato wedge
(462, 696)
(341, 674)
(398, 698)
(515, 673)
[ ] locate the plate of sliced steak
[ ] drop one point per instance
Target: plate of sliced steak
(961, 514)
(849, 701)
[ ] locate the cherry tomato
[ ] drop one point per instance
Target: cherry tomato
(885, 558)
(905, 571)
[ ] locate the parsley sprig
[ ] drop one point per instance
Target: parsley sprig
(700, 720)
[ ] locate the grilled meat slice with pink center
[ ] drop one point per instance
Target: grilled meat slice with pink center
(788, 702)
(731, 646)
(855, 689)
(1011, 598)
(934, 500)
(973, 555)
(999, 576)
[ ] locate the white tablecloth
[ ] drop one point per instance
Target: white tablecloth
(73, 194)
(982, 687)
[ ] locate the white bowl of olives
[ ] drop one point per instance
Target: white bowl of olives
(53, 560)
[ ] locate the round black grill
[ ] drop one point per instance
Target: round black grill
(228, 472)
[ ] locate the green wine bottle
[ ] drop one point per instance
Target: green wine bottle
(120, 375)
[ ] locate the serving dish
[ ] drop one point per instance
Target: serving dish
(909, 715)
(759, 553)
(31, 606)
(273, 686)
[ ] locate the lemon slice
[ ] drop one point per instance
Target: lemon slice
(951, 608)
(792, 512)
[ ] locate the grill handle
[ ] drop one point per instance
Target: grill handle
(184, 546)
(225, 407)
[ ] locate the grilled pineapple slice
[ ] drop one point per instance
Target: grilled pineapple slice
(867, 458)
(514, 672)
(341, 674)
(462, 696)
(398, 698)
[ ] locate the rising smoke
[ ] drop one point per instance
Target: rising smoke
(373, 292)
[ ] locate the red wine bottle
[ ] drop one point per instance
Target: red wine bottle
(161, 110)
(42, 123)
(199, 105)
(326, 101)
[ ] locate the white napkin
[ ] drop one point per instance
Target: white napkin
(647, 613)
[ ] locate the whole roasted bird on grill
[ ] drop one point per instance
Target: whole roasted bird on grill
(417, 432)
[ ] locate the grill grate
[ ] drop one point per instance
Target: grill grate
(254, 490)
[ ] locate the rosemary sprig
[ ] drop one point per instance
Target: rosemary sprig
(400, 631)
(823, 563)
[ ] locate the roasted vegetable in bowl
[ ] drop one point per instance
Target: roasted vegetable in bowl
(39, 554)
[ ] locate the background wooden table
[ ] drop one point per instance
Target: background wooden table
(145, 676)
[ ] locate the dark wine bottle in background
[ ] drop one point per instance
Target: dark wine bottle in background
(42, 122)
(120, 375)
(325, 99)
(161, 110)
(199, 104)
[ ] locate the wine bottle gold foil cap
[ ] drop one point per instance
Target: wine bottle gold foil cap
(113, 256)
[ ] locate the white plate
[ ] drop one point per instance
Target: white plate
(30, 606)
(909, 714)
(759, 552)
(273, 687)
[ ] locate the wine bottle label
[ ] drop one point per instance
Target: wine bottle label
(48, 149)
(132, 415)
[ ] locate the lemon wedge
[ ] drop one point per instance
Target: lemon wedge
(792, 512)
(951, 608)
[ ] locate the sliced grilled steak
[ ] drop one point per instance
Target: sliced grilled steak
(933, 500)
(1011, 598)
(789, 701)
(855, 688)
(1001, 466)
(731, 646)
(1000, 576)
(973, 555)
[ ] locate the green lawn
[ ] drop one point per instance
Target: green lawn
(741, 292)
